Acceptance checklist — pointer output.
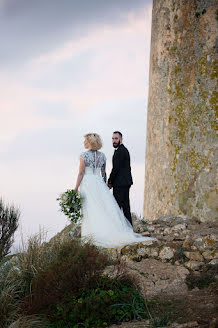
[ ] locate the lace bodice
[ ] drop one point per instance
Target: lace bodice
(93, 159)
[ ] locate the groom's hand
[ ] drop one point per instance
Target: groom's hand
(109, 185)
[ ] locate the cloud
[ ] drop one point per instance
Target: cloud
(29, 27)
(88, 75)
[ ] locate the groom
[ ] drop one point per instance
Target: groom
(120, 178)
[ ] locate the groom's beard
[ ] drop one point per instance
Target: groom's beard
(115, 145)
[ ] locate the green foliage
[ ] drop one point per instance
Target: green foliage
(16, 275)
(71, 205)
(105, 302)
(9, 217)
(63, 282)
(75, 265)
(21, 276)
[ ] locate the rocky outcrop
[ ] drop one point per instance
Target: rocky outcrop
(161, 266)
(180, 241)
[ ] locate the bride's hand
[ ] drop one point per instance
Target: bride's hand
(109, 185)
(76, 189)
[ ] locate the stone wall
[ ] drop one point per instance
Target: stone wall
(181, 132)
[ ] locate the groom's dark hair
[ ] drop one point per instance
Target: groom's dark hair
(120, 134)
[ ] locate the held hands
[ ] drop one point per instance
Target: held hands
(109, 185)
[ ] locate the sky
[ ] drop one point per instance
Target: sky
(67, 68)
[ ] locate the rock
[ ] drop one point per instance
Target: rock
(179, 238)
(193, 265)
(210, 242)
(199, 244)
(193, 248)
(146, 233)
(179, 227)
(193, 227)
(147, 242)
(138, 225)
(195, 256)
(70, 231)
(166, 253)
(114, 253)
(167, 231)
(187, 242)
(147, 252)
(127, 250)
(152, 252)
(75, 231)
(133, 324)
(214, 262)
(165, 218)
(185, 325)
(141, 252)
(158, 278)
(151, 228)
(169, 238)
(179, 220)
(210, 255)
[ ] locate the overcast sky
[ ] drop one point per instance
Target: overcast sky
(68, 67)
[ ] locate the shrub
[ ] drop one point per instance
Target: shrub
(74, 266)
(9, 217)
(63, 283)
(99, 304)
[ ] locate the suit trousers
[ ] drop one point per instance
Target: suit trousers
(121, 194)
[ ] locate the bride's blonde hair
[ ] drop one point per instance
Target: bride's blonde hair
(94, 140)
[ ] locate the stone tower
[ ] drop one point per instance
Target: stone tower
(181, 130)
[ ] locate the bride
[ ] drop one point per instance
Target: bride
(103, 222)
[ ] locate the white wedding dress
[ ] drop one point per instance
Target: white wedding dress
(103, 221)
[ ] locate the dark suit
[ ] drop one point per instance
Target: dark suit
(121, 179)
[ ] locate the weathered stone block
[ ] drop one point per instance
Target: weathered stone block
(166, 253)
(210, 255)
(179, 227)
(158, 278)
(194, 256)
(147, 252)
(193, 265)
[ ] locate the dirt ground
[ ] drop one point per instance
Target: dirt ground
(196, 306)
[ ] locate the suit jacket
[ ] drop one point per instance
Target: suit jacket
(121, 172)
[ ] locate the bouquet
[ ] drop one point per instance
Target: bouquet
(71, 205)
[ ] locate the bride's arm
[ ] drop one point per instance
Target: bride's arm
(80, 174)
(103, 172)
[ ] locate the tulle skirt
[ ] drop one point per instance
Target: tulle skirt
(103, 221)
